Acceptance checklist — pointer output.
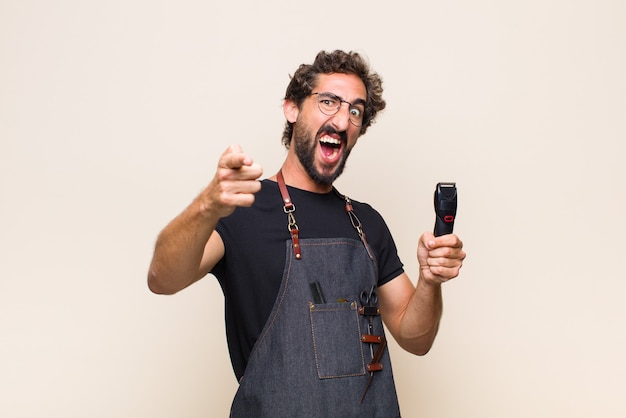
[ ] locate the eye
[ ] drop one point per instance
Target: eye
(329, 102)
(356, 113)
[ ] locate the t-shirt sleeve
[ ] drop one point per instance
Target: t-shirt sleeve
(380, 239)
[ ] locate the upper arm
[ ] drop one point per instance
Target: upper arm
(213, 253)
(394, 297)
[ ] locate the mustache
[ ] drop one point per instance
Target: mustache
(330, 130)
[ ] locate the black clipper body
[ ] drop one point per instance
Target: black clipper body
(445, 208)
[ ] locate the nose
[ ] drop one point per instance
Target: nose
(341, 119)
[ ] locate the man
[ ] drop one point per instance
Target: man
(307, 273)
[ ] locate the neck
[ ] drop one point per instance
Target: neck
(296, 176)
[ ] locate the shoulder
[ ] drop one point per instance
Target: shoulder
(267, 207)
(366, 211)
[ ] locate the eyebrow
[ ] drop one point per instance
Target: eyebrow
(354, 103)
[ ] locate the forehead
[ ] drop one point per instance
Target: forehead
(347, 86)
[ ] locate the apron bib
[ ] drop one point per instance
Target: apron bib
(310, 359)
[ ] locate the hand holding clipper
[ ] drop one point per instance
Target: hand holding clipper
(445, 208)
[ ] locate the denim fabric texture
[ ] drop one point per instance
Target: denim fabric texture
(309, 360)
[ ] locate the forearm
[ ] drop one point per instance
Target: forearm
(187, 249)
(440, 259)
(420, 322)
(179, 250)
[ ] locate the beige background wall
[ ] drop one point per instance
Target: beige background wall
(113, 115)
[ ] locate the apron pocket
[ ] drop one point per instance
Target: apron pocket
(337, 340)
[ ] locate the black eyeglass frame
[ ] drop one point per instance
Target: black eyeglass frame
(332, 96)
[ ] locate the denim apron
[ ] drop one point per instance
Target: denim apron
(310, 359)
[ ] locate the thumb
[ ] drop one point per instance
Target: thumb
(424, 245)
(428, 240)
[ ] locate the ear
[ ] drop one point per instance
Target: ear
(291, 111)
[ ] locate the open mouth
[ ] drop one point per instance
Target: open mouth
(330, 148)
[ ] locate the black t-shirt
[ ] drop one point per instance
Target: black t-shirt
(250, 273)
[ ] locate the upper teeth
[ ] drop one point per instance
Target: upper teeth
(330, 140)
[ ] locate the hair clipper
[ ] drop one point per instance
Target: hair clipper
(445, 208)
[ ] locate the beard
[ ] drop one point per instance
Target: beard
(305, 143)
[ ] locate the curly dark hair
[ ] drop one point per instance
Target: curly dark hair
(305, 79)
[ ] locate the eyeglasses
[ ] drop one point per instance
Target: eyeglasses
(329, 104)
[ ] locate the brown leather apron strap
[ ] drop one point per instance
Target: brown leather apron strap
(375, 365)
(289, 209)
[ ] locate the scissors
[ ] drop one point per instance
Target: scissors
(369, 300)
(369, 308)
